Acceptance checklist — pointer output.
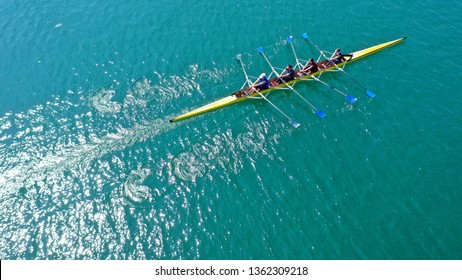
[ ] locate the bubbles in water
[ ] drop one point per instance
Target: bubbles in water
(140, 93)
(187, 167)
(101, 102)
(133, 188)
(252, 141)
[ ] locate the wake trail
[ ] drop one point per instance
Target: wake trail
(79, 156)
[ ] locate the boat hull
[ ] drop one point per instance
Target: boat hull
(234, 98)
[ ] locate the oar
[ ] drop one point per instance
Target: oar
(290, 39)
(368, 92)
(318, 112)
(292, 122)
(351, 99)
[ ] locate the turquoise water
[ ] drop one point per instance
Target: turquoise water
(92, 169)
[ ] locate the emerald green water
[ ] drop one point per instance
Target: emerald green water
(91, 168)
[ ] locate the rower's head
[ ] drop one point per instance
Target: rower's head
(311, 60)
(289, 67)
(263, 75)
(337, 50)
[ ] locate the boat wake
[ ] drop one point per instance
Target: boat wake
(95, 161)
(40, 169)
(101, 102)
(67, 134)
(71, 132)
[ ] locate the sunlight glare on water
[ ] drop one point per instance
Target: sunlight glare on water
(91, 168)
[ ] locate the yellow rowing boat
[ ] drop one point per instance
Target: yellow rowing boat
(323, 66)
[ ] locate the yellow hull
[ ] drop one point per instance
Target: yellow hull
(233, 98)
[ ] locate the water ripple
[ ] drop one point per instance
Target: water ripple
(134, 190)
(100, 100)
(188, 168)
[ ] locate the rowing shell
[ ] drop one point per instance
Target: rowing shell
(323, 66)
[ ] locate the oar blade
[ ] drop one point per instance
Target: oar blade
(260, 50)
(305, 36)
(238, 56)
(352, 99)
(370, 93)
(290, 39)
(320, 114)
(294, 123)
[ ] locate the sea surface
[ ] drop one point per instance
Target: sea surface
(91, 167)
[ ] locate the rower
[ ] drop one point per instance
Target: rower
(261, 83)
(287, 75)
(337, 57)
(310, 67)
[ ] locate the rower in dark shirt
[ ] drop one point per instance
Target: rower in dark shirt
(287, 75)
(337, 57)
(310, 67)
(260, 84)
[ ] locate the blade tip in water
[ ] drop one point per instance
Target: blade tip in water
(370, 93)
(352, 99)
(320, 114)
(294, 124)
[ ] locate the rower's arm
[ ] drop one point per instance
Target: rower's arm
(257, 83)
